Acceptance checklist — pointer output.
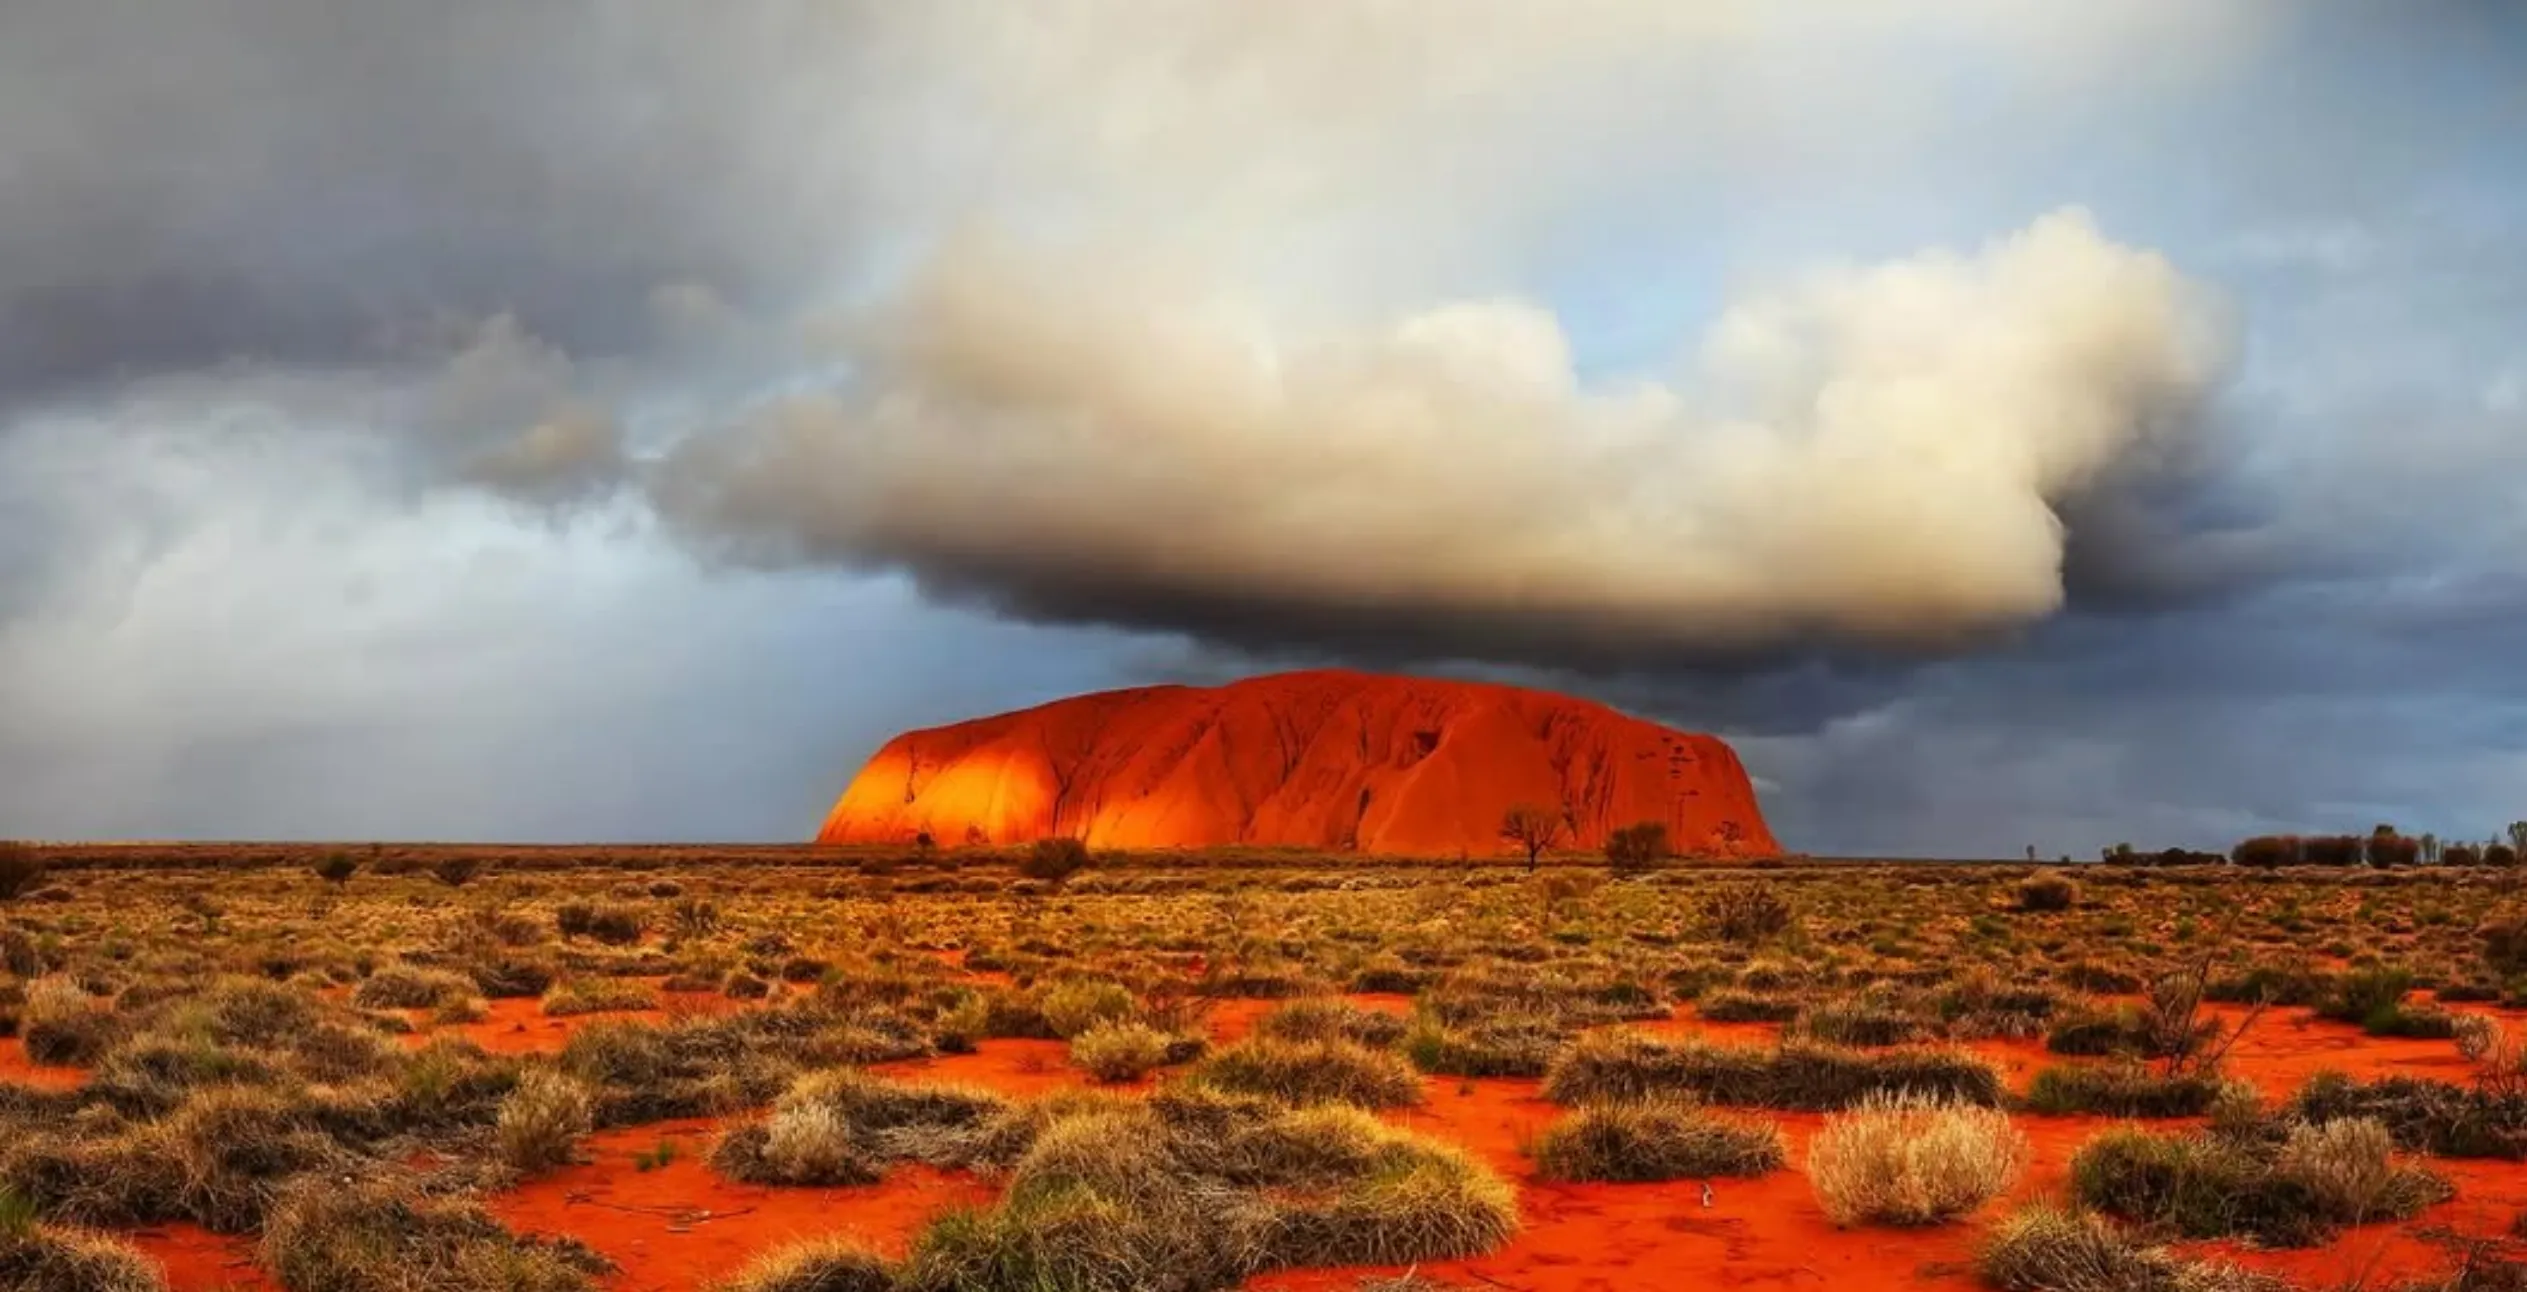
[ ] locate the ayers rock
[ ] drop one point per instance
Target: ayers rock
(1327, 759)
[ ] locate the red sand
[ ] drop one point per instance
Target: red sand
(1020, 1068)
(1327, 759)
(16, 1067)
(680, 1226)
(1231, 1021)
(197, 1260)
(1770, 1233)
(520, 1026)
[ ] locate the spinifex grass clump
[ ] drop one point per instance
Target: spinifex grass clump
(1311, 1072)
(2046, 1248)
(2424, 1116)
(2374, 1000)
(1511, 1045)
(1906, 1160)
(2121, 1089)
(1866, 1021)
(845, 1127)
(1979, 1005)
(1655, 1139)
(385, 1234)
(1816, 1078)
(50, 1258)
(216, 1160)
(541, 1121)
(1074, 1005)
(235, 1032)
(1120, 1049)
(1193, 1192)
(62, 1024)
(816, 1265)
(1326, 1018)
(694, 1067)
(1734, 1005)
(2292, 1190)
(598, 996)
(397, 987)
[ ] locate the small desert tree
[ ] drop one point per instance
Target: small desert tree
(2518, 836)
(1532, 828)
(2266, 851)
(1054, 859)
(1637, 847)
(336, 868)
(457, 871)
(2389, 847)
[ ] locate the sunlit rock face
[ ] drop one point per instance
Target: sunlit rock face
(1334, 760)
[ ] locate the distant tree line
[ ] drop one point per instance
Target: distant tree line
(2384, 847)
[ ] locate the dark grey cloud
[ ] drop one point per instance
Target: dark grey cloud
(304, 182)
(370, 373)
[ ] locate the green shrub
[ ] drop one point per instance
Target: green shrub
(2123, 1089)
(1311, 1072)
(2423, 1115)
(1119, 1049)
(843, 1126)
(1730, 1005)
(60, 1024)
(2288, 1193)
(1637, 847)
(2373, 999)
(1054, 860)
(1517, 1045)
(1796, 1076)
(51, 1258)
(1654, 1139)
(597, 996)
(2294, 983)
(2105, 980)
(2047, 893)
(816, 1265)
(1074, 1005)
(2503, 937)
(20, 956)
(1194, 1191)
(384, 1234)
(573, 919)
(1326, 1018)
(2047, 1248)
(2418, 1022)
(396, 987)
(2091, 1032)
(1746, 913)
(1860, 1022)
(541, 1121)
(510, 977)
(617, 926)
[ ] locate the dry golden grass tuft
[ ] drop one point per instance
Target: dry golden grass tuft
(1906, 1160)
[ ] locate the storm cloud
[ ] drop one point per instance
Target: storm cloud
(1067, 446)
(2072, 390)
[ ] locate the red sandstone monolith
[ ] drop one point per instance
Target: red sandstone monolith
(1331, 759)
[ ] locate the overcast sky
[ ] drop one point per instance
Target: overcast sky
(2010, 423)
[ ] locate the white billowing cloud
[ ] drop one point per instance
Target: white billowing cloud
(1871, 454)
